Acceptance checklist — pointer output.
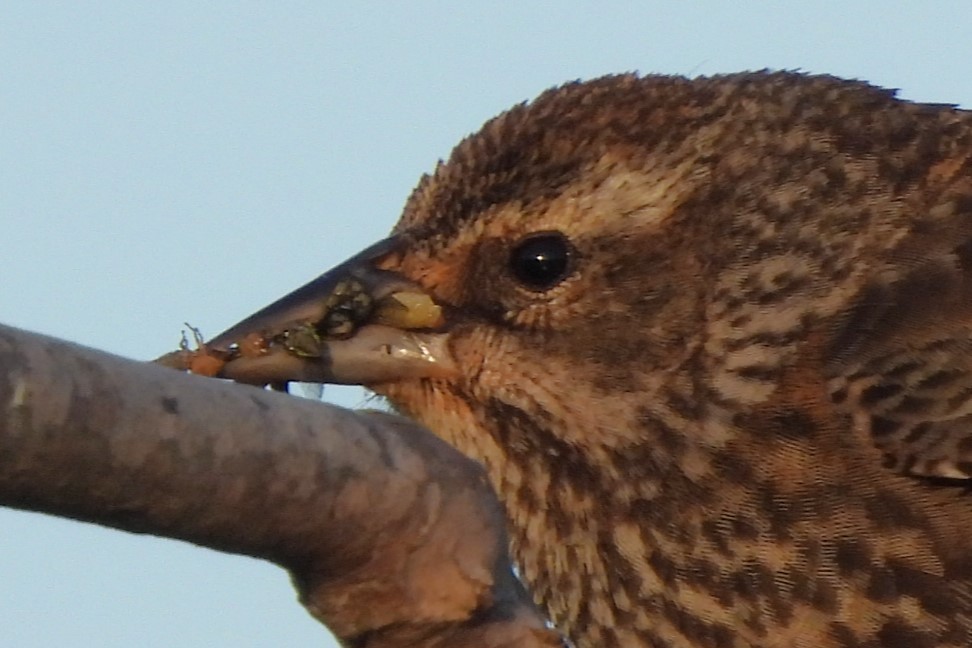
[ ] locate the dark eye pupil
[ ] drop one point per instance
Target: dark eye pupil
(541, 261)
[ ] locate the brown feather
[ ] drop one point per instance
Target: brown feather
(725, 426)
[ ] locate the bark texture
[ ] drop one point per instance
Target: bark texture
(392, 537)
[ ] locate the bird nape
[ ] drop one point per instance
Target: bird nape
(711, 338)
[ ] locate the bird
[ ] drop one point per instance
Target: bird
(712, 340)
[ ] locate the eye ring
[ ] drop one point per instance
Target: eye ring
(542, 260)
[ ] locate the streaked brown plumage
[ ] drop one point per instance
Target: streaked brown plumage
(741, 415)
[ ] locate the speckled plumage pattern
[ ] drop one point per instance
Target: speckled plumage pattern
(743, 419)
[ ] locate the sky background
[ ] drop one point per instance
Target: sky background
(171, 162)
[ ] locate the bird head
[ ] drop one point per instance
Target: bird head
(567, 275)
(620, 297)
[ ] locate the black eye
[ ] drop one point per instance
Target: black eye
(541, 261)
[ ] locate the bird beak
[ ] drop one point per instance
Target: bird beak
(355, 324)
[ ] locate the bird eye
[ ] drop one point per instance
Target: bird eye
(541, 261)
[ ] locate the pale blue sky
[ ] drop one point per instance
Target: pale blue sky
(164, 162)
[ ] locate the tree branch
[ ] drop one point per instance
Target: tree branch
(391, 536)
